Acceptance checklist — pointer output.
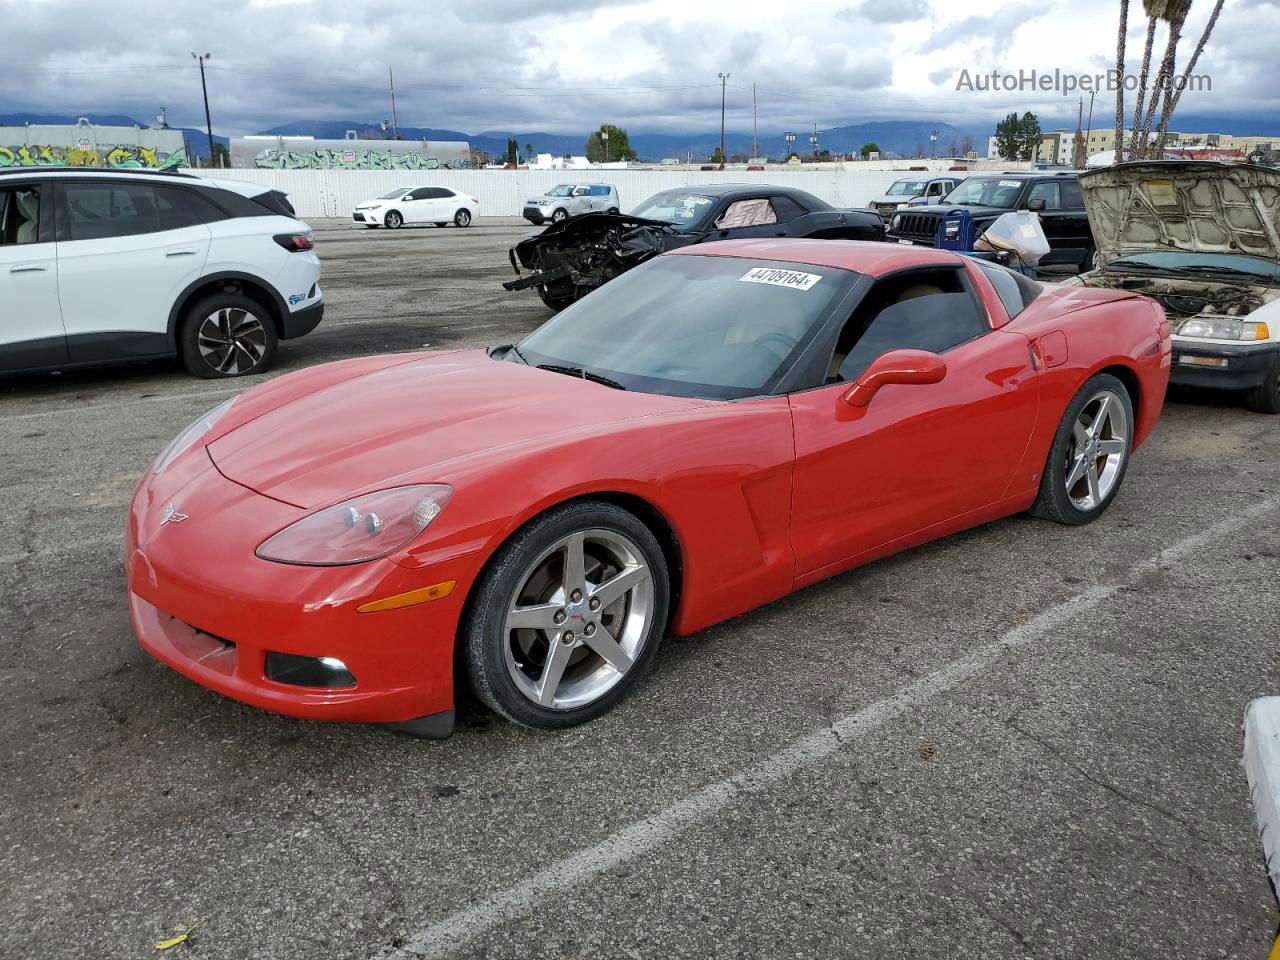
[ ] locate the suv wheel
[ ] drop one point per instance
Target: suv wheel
(560, 216)
(227, 335)
(393, 220)
(462, 218)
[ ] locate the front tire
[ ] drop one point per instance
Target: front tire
(1265, 397)
(462, 218)
(567, 616)
(227, 335)
(560, 216)
(1090, 454)
(393, 220)
(562, 296)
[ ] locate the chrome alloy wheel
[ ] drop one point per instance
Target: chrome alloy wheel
(1099, 445)
(578, 619)
(231, 340)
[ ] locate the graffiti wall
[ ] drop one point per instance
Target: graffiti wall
(87, 145)
(304, 153)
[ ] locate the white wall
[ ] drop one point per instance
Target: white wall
(333, 193)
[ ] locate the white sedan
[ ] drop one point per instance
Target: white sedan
(438, 205)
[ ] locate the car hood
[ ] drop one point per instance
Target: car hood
(420, 421)
(1188, 205)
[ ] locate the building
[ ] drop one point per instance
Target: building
(1055, 147)
(350, 153)
(84, 144)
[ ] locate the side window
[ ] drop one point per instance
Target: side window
(787, 209)
(1016, 292)
(599, 191)
(935, 190)
(19, 215)
(582, 191)
(1048, 192)
(747, 213)
(422, 193)
(1072, 199)
(931, 310)
(174, 210)
(99, 210)
(441, 193)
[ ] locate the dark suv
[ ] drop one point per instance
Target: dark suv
(1054, 196)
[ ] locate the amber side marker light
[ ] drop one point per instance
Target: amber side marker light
(437, 591)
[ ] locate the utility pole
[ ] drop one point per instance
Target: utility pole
(208, 123)
(933, 143)
(395, 127)
(755, 133)
(724, 79)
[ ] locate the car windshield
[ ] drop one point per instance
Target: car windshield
(563, 190)
(980, 192)
(395, 194)
(1188, 260)
(906, 188)
(678, 207)
(692, 326)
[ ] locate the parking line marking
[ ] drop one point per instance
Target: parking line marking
(442, 938)
(71, 407)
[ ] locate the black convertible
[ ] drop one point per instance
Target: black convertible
(570, 259)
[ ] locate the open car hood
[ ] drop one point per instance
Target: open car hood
(1196, 206)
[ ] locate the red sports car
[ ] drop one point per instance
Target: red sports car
(719, 427)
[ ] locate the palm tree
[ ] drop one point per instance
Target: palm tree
(1175, 14)
(1174, 93)
(1120, 38)
(1153, 9)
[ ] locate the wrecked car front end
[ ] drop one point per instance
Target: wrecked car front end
(1203, 240)
(570, 259)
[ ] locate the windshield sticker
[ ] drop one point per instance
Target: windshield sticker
(792, 279)
(1009, 183)
(1162, 193)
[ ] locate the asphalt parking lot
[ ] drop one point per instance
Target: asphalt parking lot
(1022, 741)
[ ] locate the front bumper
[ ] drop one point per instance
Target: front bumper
(1229, 366)
(534, 214)
(365, 216)
(205, 605)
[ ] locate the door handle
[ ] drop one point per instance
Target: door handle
(28, 267)
(184, 252)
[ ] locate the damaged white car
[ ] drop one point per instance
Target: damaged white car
(1202, 238)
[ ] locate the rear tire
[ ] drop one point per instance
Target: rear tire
(393, 220)
(1090, 454)
(462, 218)
(571, 616)
(1265, 397)
(227, 335)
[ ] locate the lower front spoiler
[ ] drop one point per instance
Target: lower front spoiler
(539, 279)
(1223, 366)
(238, 674)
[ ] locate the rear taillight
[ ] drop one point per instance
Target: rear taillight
(295, 242)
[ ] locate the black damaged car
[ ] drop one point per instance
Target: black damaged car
(566, 261)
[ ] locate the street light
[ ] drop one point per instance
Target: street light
(208, 123)
(724, 80)
(790, 138)
(933, 142)
(604, 135)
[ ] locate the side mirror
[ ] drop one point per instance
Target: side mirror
(1036, 204)
(896, 366)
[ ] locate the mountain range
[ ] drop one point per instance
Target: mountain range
(903, 137)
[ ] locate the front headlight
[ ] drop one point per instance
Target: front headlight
(188, 437)
(897, 221)
(1223, 328)
(358, 530)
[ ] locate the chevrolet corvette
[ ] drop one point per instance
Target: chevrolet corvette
(721, 426)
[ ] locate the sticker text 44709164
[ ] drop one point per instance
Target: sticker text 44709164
(793, 279)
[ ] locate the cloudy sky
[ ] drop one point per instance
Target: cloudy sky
(568, 65)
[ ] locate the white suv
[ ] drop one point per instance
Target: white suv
(99, 266)
(569, 200)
